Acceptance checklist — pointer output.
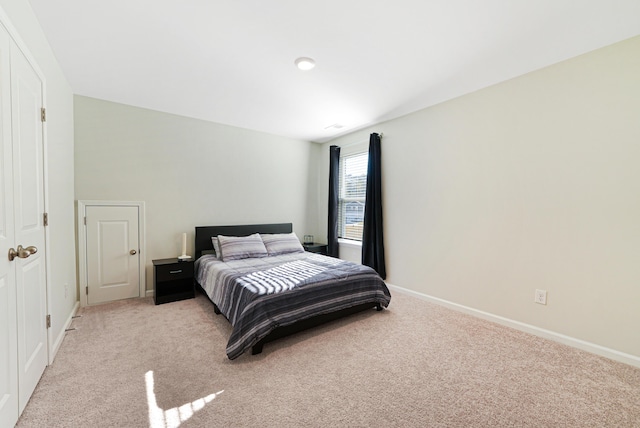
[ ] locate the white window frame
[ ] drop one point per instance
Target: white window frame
(353, 152)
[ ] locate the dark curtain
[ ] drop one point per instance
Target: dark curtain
(372, 238)
(334, 190)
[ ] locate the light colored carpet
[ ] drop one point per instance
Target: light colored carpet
(134, 364)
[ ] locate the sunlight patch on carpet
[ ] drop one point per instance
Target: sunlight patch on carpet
(174, 417)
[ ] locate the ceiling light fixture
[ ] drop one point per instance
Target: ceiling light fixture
(305, 64)
(335, 126)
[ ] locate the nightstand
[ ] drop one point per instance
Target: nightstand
(172, 280)
(316, 248)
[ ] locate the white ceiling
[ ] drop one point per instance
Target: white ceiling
(232, 61)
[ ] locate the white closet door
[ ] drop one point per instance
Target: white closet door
(8, 338)
(28, 186)
(113, 253)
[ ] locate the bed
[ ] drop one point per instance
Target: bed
(269, 296)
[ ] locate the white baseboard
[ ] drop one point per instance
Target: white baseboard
(527, 328)
(58, 342)
(149, 293)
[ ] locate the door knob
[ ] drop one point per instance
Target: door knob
(133, 252)
(21, 252)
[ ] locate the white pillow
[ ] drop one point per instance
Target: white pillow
(216, 246)
(241, 247)
(282, 243)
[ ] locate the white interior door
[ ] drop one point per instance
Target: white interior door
(23, 287)
(28, 187)
(113, 253)
(8, 322)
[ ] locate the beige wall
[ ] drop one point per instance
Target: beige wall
(188, 172)
(532, 183)
(62, 294)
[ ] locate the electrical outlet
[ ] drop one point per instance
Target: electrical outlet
(541, 297)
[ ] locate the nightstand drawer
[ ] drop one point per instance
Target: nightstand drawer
(174, 271)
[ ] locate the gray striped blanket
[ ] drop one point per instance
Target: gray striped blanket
(259, 294)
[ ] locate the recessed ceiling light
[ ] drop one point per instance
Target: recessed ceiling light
(305, 64)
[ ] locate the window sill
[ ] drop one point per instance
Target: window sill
(349, 243)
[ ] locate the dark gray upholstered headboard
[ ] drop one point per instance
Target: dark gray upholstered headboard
(204, 233)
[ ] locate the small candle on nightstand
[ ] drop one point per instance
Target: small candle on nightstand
(184, 255)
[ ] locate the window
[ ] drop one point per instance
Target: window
(353, 185)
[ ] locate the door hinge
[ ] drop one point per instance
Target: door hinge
(85, 220)
(43, 114)
(45, 219)
(48, 321)
(86, 290)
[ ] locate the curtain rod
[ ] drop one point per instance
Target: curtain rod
(358, 142)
